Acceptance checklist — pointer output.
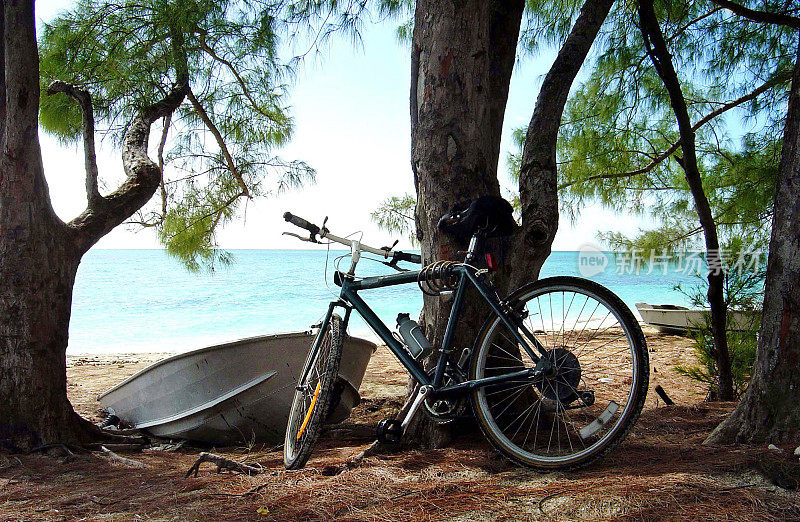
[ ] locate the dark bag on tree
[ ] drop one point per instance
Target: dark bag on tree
(492, 215)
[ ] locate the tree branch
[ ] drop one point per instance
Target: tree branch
(143, 174)
(766, 86)
(538, 170)
(759, 16)
(161, 145)
(201, 111)
(245, 90)
(84, 99)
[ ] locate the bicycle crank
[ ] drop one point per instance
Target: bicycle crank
(391, 430)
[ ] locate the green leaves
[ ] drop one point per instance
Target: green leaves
(396, 215)
(220, 144)
(619, 141)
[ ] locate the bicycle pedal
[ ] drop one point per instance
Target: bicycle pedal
(389, 431)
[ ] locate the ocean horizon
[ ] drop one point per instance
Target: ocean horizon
(143, 300)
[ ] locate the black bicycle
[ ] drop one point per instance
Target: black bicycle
(556, 377)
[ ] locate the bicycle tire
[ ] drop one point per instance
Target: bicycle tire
(311, 401)
(569, 380)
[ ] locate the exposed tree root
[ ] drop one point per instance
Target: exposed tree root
(64, 448)
(376, 448)
(226, 464)
(129, 463)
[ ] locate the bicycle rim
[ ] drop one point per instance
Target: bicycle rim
(595, 391)
(312, 398)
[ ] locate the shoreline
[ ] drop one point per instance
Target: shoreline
(89, 375)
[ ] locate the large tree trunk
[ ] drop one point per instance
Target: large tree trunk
(662, 61)
(39, 254)
(37, 265)
(770, 408)
(462, 58)
(461, 68)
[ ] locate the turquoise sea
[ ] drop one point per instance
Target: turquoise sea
(145, 301)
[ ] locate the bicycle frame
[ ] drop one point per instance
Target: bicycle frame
(467, 275)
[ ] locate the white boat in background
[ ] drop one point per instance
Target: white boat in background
(680, 319)
(231, 393)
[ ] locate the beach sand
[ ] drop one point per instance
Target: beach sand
(90, 375)
(661, 471)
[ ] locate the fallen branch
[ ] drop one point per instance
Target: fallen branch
(376, 448)
(122, 446)
(224, 463)
(167, 446)
(130, 463)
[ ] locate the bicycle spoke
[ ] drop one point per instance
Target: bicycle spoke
(591, 377)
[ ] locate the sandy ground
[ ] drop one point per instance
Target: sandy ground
(90, 375)
(662, 471)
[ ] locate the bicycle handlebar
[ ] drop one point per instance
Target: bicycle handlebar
(405, 256)
(325, 233)
(302, 223)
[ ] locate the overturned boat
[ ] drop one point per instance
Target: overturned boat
(231, 393)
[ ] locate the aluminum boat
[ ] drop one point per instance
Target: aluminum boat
(231, 393)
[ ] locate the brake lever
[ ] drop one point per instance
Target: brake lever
(301, 238)
(393, 264)
(390, 248)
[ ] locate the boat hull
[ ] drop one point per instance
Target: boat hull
(678, 319)
(231, 393)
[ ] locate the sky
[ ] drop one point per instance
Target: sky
(351, 111)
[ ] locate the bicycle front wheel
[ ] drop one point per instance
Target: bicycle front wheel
(591, 396)
(313, 395)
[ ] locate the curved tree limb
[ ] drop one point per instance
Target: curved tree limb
(662, 61)
(538, 170)
(759, 16)
(201, 111)
(755, 93)
(84, 99)
(143, 174)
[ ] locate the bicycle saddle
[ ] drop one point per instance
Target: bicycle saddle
(492, 215)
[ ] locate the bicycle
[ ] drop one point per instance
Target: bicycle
(546, 394)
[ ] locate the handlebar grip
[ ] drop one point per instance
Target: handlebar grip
(302, 223)
(411, 258)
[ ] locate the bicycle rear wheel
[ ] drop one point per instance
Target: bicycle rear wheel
(593, 394)
(312, 396)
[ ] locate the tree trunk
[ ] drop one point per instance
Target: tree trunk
(462, 58)
(662, 61)
(461, 69)
(538, 181)
(39, 254)
(770, 408)
(37, 265)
